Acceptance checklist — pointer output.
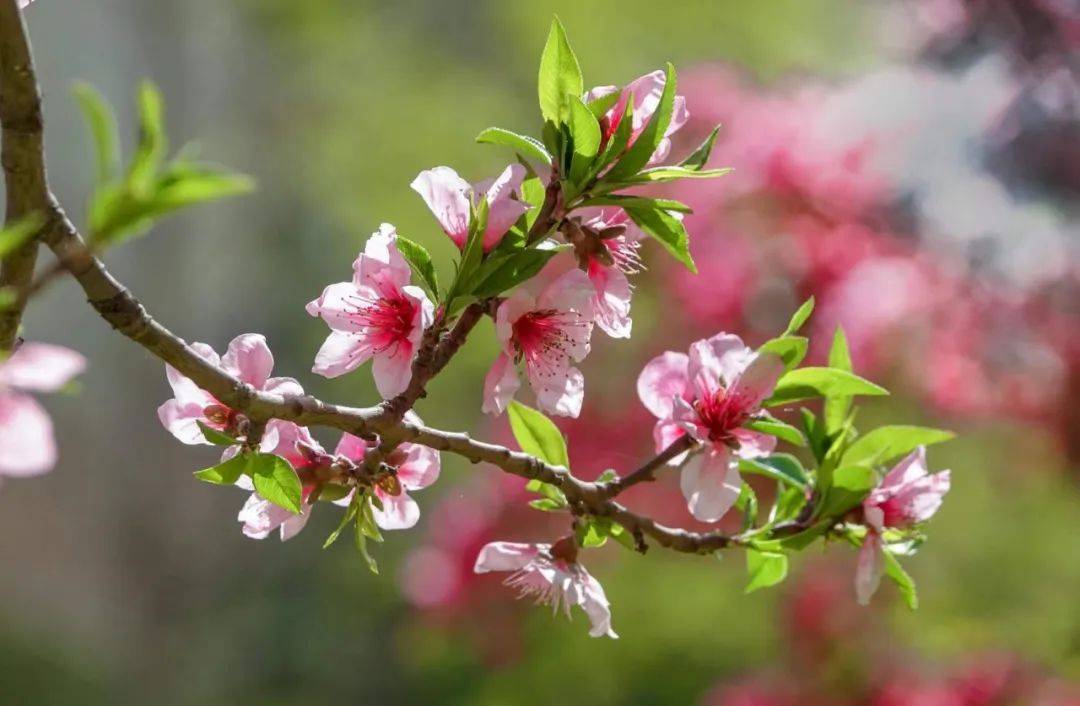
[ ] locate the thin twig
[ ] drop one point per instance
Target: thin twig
(646, 472)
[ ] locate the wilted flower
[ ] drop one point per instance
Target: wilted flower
(548, 331)
(551, 575)
(27, 445)
(711, 394)
(378, 315)
(908, 495)
(452, 200)
(248, 359)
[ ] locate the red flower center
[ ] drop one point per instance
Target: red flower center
(388, 318)
(543, 338)
(722, 413)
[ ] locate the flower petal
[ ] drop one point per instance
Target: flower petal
(399, 511)
(181, 420)
(447, 195)
(41, 367)
(611, 300)
(249, 358)
(662, 380)
(754, 444)
(716, 362)
(339, 304)
(420, 468)
(351, 447)
(561, 394)
(870, 568)
(711, 484)
(392, 369)
(27, 446)
(500, 385)
(595, 604)
(341, 353)
(506, 556)
(503, 209)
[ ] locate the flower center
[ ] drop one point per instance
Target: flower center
(544, 338)
(722, 413)
(388, 318)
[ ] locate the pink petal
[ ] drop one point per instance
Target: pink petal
(338, 305)
(595, 604)
(399, 511)
(717, 361)
(41, 367)
(423, 312)
(611, 301)
(758, 380)
(753, 444)
(570, 291)
(506, 556)
(249, 358)
(261, 517)
(392, 369)
(662, 380)
(910, 469)
(711, 484)
(27, 446)
(381, 266)
(500, 385)
(351, 447)
(341, 353)
(561, 394)
(420, 468)
(666, 433)
(870, 568)
(283, 386)
(181, 420)
(504, 210)
(520, 302)
(184, 389)
(447, 195)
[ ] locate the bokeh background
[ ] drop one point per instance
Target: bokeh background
(915, 165)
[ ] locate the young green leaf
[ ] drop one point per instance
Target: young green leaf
(667, 229)
(890, 442)
(537, 435)
(547, 505)
(662, 175)
(765, 569)
(837, 407)
(804, 383)
(152, 144)
(560, 75)
(420, 260)
(276, 481)
(699, 157)
(650, 138)
(101, 121)
(349, 516)
(522, 144)
(783, 468)
(644, 202)
(850, 485)
(781, 430)
(585, 135)
(903, 581)
(225, 473)
(511, 272)
(214, 436)
(791, 349)
(799, 317)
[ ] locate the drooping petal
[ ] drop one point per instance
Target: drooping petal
(503, 209)
(561, 394)
(595, 604)
(870, 567)
(392, 369)
(711, 484)
(662, 380)
(399, 511)
(506, 556)
(500, 385)
(292, 526)
(249, 358)
(27, 445)
(342, 352)
(41, 367)
(261, 517)
(182, 421)
(611, 300)
(447, 195)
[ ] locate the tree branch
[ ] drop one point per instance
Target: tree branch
(22, 156)
(645, 472)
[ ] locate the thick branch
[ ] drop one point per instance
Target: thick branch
(22, 156)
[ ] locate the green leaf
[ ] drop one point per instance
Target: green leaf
(616, 146)
(600, 106)
(225, 473)
(781, 430)
(765, 569)
(101, 122)
(889, 442)
(902, 579)
(837, 407)
(152, 144)
(585, 136)
(747, 503)
(799, 317)
(522, 144)
(549, 491)
(662, 175)
(14, 235)
(850, 485)
(643, 202)
(560, 75)
(667, 229)
(537, 435)
(214, 436)
(791, 349)
(699, 157)
(592, 531)
(547, 504)
(362, 547)
(349, 516)
(420, 260)
(820, 382)
(815, 434)
(783, 468)
(276, 481)
(650, 138)
(789, 501)
(512, 271)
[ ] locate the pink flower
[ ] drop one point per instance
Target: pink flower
(452, 200)
(377, 315)
(908, 495)
(607, 261)
(259, 516)
(416, 467)
(27, 446)
(552, 576)
(711, 394)
(646, 91)
(248, 359)
(548, 331)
